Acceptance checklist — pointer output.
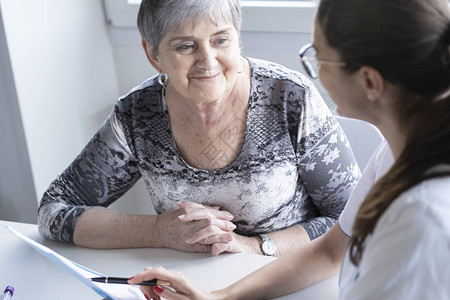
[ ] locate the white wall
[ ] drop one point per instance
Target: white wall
(17, 195)
(65, 76)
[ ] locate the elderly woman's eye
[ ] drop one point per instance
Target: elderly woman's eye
(184, 47)
(222, 40)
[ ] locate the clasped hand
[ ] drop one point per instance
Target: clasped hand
(198, 228)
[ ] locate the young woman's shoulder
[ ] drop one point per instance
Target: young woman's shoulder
(429, 199)
(407, 255)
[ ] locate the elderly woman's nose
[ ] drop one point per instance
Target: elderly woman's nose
(206, 57)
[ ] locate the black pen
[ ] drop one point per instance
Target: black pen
(121, 280)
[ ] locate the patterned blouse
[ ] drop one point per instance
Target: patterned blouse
(295, 165)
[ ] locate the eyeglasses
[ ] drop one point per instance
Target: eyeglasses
(308, 56)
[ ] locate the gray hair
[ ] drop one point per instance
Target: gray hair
(158, 17)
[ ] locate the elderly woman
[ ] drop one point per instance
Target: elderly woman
(230, 148)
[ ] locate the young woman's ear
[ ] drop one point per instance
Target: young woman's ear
(151, 55)
(372, 82)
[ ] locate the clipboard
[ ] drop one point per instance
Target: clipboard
(107, 291)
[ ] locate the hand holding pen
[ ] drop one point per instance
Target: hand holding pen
(121, 280)
(155, 283)
(180, 287)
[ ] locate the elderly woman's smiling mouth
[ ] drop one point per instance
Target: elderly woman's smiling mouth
(206, 77)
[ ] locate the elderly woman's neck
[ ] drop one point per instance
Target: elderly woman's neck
(225, 111)
(204, 114)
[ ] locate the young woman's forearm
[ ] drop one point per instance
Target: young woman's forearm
(315, 262)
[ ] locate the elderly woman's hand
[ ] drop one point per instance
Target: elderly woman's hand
(238, 243)
(180, 287)
(221, 240)
(181, 228)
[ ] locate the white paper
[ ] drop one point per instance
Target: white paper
(107, 291)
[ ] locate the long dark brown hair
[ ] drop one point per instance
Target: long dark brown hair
(407, 41)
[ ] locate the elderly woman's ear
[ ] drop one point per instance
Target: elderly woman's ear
(151, 55)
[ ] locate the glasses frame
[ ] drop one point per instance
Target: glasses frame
(305, 60)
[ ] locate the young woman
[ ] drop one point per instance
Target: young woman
(386, 62)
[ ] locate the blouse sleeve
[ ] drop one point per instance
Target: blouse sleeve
(327, 166)
(100, 174)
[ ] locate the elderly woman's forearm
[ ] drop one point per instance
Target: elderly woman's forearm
(100, 227)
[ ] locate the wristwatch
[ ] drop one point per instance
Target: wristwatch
(268, 247)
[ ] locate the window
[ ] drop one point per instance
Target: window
(276, 1)
(259, 15)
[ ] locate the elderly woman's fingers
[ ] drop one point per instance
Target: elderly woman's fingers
(190, 204)
(210, 228)
(189, 236)
(195, 211)
(238, 243)
(219, 248)
(213, 222)
(192, 214)
(173, 233)
(210, 235)
(186, 204)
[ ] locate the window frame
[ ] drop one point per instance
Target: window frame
(259, 16)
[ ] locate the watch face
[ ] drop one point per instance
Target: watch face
(269, 247)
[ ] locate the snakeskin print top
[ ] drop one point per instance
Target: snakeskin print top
(295, 165)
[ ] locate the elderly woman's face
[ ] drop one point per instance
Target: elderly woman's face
(202, 60)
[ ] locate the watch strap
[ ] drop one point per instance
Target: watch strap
(264, 237)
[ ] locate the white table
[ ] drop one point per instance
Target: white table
(35, 277)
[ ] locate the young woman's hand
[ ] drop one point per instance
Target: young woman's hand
(180, 288)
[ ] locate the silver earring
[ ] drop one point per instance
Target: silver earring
(162, 79)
